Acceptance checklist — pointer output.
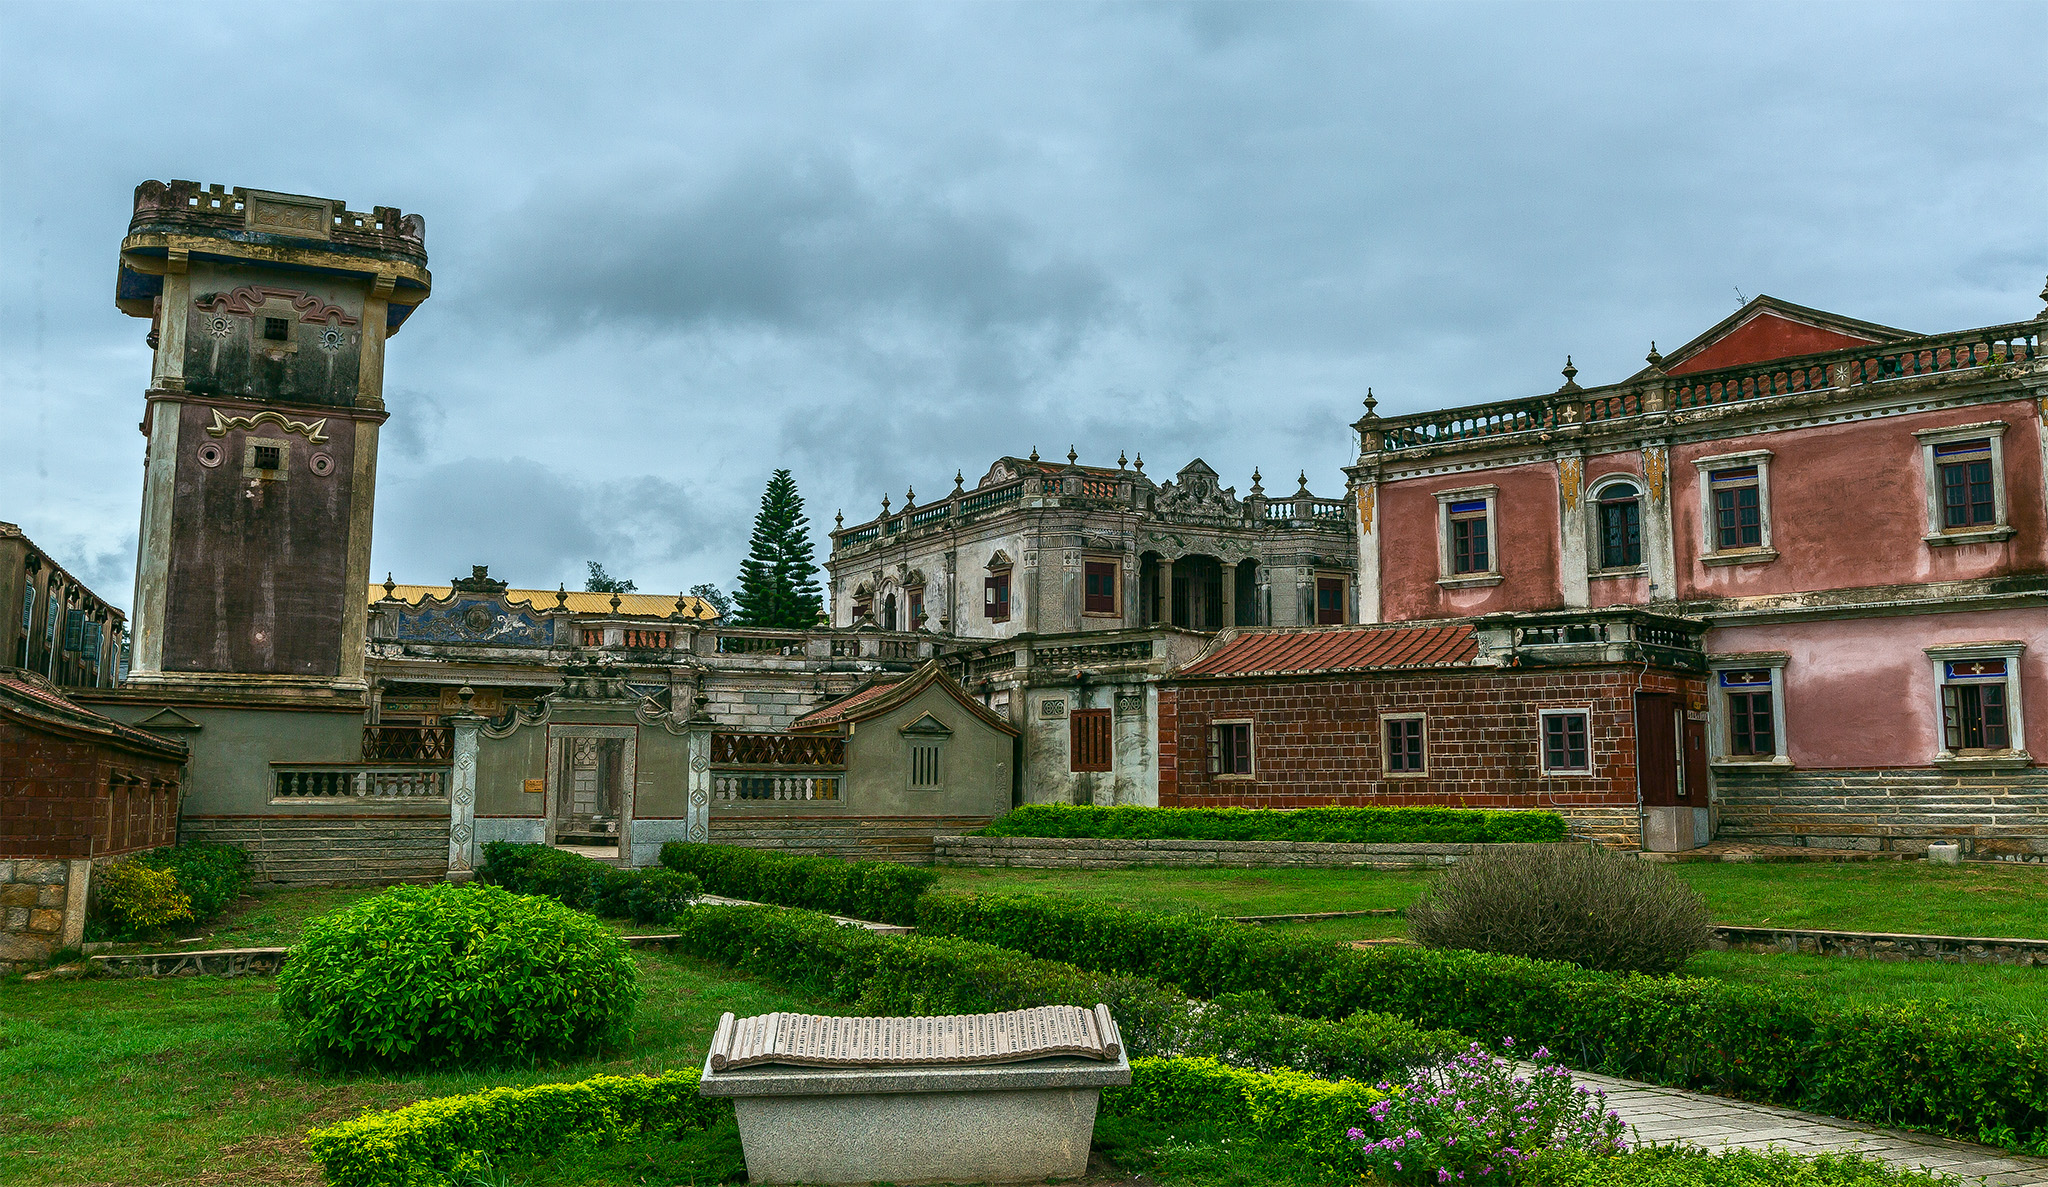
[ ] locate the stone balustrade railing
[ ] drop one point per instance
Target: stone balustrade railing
(729, 788)
(1841, 370)
(356, 781)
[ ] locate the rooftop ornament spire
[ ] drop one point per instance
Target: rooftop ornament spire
(1139, 464)
(885, 506)
(562, 597)
(1653, 358)
(1372, 403)
(1256, 488)
(909, 497)
(1304, 483)
(682, 605)
(839, 519)
(1571, 376)
(1122, 462)
(1034, 453)
(615, 603)
(1073, 455)
(958, 479)
(2044, 300)
(390, 586)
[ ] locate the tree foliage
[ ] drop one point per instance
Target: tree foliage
(778, 584)
(603, 582)
(713, 596)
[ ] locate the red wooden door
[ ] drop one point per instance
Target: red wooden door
(1657, 749)
(1694, 789)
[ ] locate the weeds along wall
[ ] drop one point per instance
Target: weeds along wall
(1917, 1063)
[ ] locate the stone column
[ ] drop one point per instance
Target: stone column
(1366, 493)
(697, 825)
(462, 793)
(1572, 562)
(1659, 546)
(1164, 587)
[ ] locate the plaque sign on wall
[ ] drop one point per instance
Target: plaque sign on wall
(813, 1040)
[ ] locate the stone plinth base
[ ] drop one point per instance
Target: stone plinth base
(1009, 1123)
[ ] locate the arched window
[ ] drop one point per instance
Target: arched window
(1621, 525)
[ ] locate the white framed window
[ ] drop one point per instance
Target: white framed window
(1965, 473)
(1404, 745)
(1614, 526)
(1467, 546)
(1230, 750)
(1565, 740)
(1735, 508)
(1746, 693)
(1978, 718)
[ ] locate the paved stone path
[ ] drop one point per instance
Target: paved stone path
(1714, 1123)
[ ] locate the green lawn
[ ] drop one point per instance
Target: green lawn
(190, 1081)
(1976, 899)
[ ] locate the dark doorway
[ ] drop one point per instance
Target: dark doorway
(1657, 774)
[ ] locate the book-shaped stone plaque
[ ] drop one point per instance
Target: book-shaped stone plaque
(813, 1040)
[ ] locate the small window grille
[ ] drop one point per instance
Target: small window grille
(1090, 736)
(267, 458)
(924, 766)
(277, 329)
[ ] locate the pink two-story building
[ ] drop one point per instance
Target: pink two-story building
(1857, 512)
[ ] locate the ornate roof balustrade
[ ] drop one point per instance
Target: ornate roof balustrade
(189, 205)
(1842, 371)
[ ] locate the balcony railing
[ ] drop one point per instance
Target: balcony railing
(738, 788)
(350, 782)
(1861, 366)
(752, 768)
(421, 744)
(778, 750)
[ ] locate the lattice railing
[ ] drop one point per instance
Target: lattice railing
(1092, 653)
(408, 743)
(757, 644)
(778, 750)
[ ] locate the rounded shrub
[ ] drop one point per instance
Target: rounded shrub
(431, 976)
(1581, 904)
(659, 895)
(132, 899)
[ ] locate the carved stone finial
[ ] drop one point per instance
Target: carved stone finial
(958, 480)
(1256, 488)
(390, 586)
(465, 694)
(1122, 462)
(1139, 464)
(1371, 404)
(885, 505)
(562, 597)
(1034, 453)
(682, 605)
(2044, 298)
(1571, 373)
(1653, 358)
(1073, 455)
(615, 603)
(839, 519)
(1304, 482)
(909, 497)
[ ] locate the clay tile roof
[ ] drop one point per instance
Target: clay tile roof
(844, 708)
(28, 698)
(1337, 649)
(881, 697)
(632, 605)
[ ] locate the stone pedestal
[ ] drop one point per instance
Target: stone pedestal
(1008, 1123)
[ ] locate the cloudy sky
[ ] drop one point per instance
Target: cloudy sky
(677, 246)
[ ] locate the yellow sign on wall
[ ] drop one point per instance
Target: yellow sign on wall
(536, 786)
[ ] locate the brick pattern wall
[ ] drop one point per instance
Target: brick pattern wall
(1318, 741)
(326, 850)
(906, 839)
(67, 797)
(1993, 814)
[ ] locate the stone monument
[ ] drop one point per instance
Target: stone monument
(970, 1098)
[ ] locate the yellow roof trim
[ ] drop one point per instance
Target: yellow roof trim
(632, 605)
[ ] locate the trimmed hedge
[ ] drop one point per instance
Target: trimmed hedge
(644, 896)
(877, 891)
(151, 890)
(1673, 1166)
(883, 975)
(1350, 825)
(455, 975)
(1921, 1064)
(436, 1142)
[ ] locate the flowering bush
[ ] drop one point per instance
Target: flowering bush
(1476, 1118)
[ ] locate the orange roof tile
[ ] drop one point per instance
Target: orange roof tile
(883, 696)
(28, 697)
(1337, 649)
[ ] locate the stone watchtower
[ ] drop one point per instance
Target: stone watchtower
(268, 315)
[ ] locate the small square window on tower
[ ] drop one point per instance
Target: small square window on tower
(277, 329)
(267, 458)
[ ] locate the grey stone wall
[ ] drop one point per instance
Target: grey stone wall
(42, 909)
(1114, 853)
(1884, 946)
(1992, 814)
(907, 839)
(324, 850)
(1619, 828)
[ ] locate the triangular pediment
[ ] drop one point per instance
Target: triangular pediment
(167, 720)
(1766, 328)
(928, 726)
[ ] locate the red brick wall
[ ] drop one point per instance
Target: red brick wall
(66, 797)
(1318, 741)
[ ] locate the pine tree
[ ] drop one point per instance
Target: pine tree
(713, 596)
(603, 582)
(778, 585)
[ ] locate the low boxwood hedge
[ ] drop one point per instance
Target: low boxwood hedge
(883, 975)
(214, 876)
(1351, 825)
(644, 896)
(877, 891)
(435, 1143)
(1923, 1064)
